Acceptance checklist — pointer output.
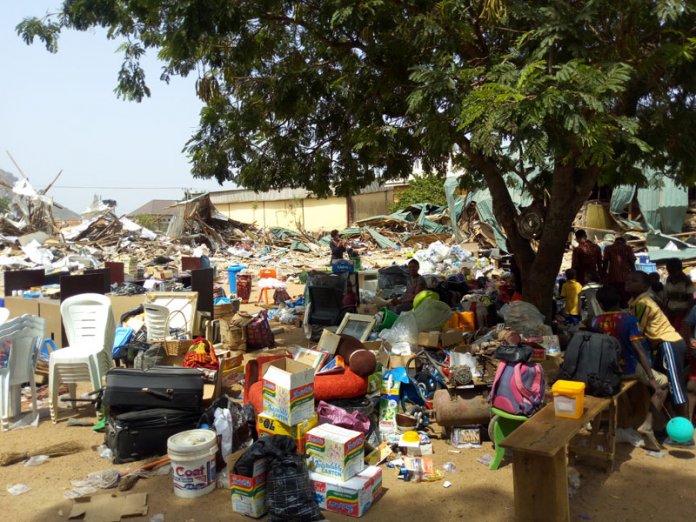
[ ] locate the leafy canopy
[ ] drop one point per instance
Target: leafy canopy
(334, 94)
(427, 188)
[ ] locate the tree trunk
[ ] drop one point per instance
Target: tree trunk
(570, 188)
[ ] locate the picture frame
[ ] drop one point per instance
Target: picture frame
(184, 302)
(356, 325)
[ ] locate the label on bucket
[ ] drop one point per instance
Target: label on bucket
(193, 478)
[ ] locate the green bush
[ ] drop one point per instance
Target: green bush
(428, 188)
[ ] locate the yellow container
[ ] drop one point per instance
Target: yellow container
(568, 399)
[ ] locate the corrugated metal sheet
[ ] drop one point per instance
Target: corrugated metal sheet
(663, 208)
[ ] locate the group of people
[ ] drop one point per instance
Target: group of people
(655, 324)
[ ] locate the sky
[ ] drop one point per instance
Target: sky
(59, 112)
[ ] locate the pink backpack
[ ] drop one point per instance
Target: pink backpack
(518, 388)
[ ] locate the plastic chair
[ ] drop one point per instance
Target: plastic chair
(501, 425)
(156, 322)
(4, 315)
(89, 326)
(266, 273)
(17, 348)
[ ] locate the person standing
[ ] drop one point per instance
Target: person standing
(669, 345)
(338, 247)
(619, 262)
(587, 257)
(679, 296)
(571, 292)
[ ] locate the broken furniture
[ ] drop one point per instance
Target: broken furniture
(89, 327)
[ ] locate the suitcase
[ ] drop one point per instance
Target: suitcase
(129, 389)
(140, 434)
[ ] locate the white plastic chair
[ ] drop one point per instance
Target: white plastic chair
(19, 343)
(4, 315)
(89, 326)
(156, 322)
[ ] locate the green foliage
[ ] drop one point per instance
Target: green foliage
(150, 221)
(4, 204)
(428, 188)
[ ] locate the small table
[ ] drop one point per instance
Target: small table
(540, 475)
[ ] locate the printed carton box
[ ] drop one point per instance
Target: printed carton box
(249, 493)
(352, 497)
(335, 452)
(267, 425)
(288, 391)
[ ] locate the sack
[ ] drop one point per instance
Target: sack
(140, 434)
(518, 388)
(289, 493)
(149, 358)
(513, 354)
(593, 358)
(290, 496)
(280, 296)
(331, 414)
(258, 332)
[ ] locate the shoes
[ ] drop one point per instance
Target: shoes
(670, 442)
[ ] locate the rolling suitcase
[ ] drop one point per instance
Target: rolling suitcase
(129, 389)
(140, 434)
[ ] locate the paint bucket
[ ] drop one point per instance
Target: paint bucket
(192, 455)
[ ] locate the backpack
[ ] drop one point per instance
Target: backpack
(593, 358)
(518, 388)
(258, 332)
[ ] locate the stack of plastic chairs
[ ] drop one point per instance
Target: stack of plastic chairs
(19, 342)
(89, 326)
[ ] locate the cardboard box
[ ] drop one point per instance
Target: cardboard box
(451, 337)
(328, 342)
(267, 425)
(430, 339)
(368, 309)
(352, 497)
(249, 493)
(335, 452)
(288, 391)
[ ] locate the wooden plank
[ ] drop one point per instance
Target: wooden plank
(545, 434)
(541, 487)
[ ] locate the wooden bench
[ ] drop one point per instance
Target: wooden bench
(539, 464)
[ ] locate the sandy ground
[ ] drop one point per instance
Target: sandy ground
(640, 488)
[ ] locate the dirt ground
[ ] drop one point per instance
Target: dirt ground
(641, 487)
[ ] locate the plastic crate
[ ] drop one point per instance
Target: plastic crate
(646, 267)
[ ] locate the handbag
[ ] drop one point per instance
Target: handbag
(259, 333)
(513, 354)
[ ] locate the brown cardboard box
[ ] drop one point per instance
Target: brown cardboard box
(430, 339)
(451, 337)
(389, 361)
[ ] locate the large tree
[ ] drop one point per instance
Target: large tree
(333, 95)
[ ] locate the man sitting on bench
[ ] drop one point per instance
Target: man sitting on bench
(635, 355)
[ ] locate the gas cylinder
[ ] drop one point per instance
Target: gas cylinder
(461, 407)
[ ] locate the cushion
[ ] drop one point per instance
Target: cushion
(345, 385)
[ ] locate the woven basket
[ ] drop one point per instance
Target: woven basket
(176, 346)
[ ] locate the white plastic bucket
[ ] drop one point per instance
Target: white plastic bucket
(192, 455)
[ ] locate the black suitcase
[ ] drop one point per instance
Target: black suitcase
(129, 389)
(140, 434)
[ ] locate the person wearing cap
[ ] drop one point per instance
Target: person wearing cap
(619, 261)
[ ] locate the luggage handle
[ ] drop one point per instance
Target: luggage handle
(166, 394)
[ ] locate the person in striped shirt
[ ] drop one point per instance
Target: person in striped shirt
(667, 344)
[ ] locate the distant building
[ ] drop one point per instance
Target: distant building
(63, 216)
(155, 214)
(296, 209)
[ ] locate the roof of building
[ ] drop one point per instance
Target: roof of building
(156, 207)
(243, 195)
(61, 213)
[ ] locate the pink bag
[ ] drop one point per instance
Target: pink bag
(518, 388)
(259, 333)
(330, 414)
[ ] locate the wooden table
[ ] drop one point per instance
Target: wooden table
(540, 477)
